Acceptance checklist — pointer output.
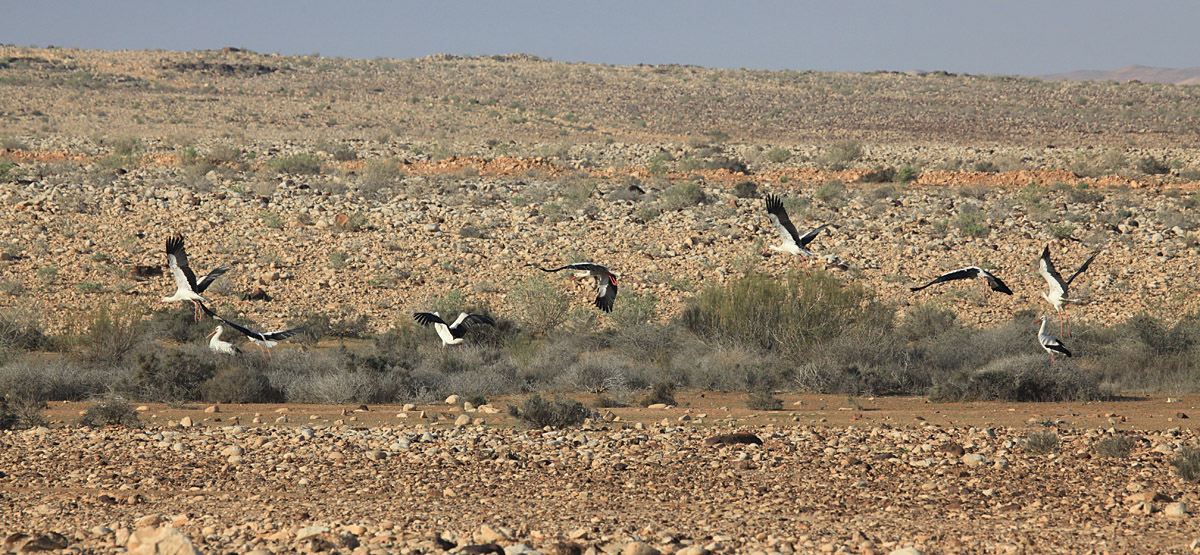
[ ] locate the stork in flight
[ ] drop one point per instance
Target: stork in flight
(188, 289)
(452, 334)
(1056, 293)
(604, 277)
(1050, 343)
(792, 241)
(218, 346)
(263, 339)
(970, 272)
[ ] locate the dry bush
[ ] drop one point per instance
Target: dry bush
(1115, 447)
(763, 400)
(1187, 464)
(1041, 443)
(110, 410)
(542, 305)
(112, 333)
(559, 413)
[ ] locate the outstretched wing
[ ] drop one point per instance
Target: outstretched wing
(428, 318)
(783, 225)
(808, 237)
(607, 294)
(209, 278)
(465, 320)
(997, 285)
(1052, 277)
(583, 266)
(177, 260)
(961, 273)
(1086, 263)
(254, 334)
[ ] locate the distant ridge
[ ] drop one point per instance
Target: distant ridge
(1174, 76)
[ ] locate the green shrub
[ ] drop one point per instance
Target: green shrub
(559, 413)
(172, 374)
(1187, 464)
(297, 163)
(21, 330)
(970, 223)
(1061, 231)
(542, 304)
(1115, 447)
(787, 315)
(110, 411)
(831, 192)
(272, 220)
(905, 174)
(1019, 378)
(112, 334)
(779, 155)
(1041, 443)
(841, 154)
(683, 195)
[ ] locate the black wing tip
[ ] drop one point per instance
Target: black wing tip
(774, 203)
(604, 304)
(174, 243)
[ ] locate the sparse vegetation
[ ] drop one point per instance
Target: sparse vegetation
(1041, 443)
(1114, 447)
(1187, 464)
(558, 413)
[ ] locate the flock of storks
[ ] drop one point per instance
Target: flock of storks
(791, 242)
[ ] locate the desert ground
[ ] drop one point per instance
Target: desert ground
(867, 475)
(365, 190)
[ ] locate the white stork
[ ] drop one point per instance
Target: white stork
(1050, 343)
(188, 289)
(970, 272)
(604, 277)
(792, 241)
(263, 339)
(1056, 293)
(218, 346)
(451, 334)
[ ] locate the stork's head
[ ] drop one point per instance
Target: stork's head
(214, 332)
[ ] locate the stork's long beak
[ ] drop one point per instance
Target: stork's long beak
(613, 279)
(210, 334)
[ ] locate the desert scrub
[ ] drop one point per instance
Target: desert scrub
(559, 413)
(763, 400)
(1041, 443)
(1060, 231)
(745, 189)
(683, 195)
(905, 174)
(662, 393)
(543, 305)
(970, 223)
(111, 410)
(841, 154)
(831, 192)
(785, 316)
(297, 163)
(1115, 447)
(779, 155)
(1187, 464)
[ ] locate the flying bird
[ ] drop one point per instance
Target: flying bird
(603, 276)
(792, 241)
(263, 339)
(452, 334)
(1056, 293)
(1050, 343)
(970, 272)
(218, 346)
(188, 289)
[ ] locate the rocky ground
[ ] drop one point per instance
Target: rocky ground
(343, 244)
(831, 475)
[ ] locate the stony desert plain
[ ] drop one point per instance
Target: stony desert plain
(365, 190)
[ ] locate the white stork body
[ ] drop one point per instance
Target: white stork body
(263, 339)
(1050, 343)
(451, 334)
(605, 279)
(187, 288)
(218, 346)
(1056, 290)
(791, 241)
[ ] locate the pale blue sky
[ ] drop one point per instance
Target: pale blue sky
(1007, 37)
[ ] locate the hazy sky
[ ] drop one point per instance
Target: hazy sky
(1003, 36)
